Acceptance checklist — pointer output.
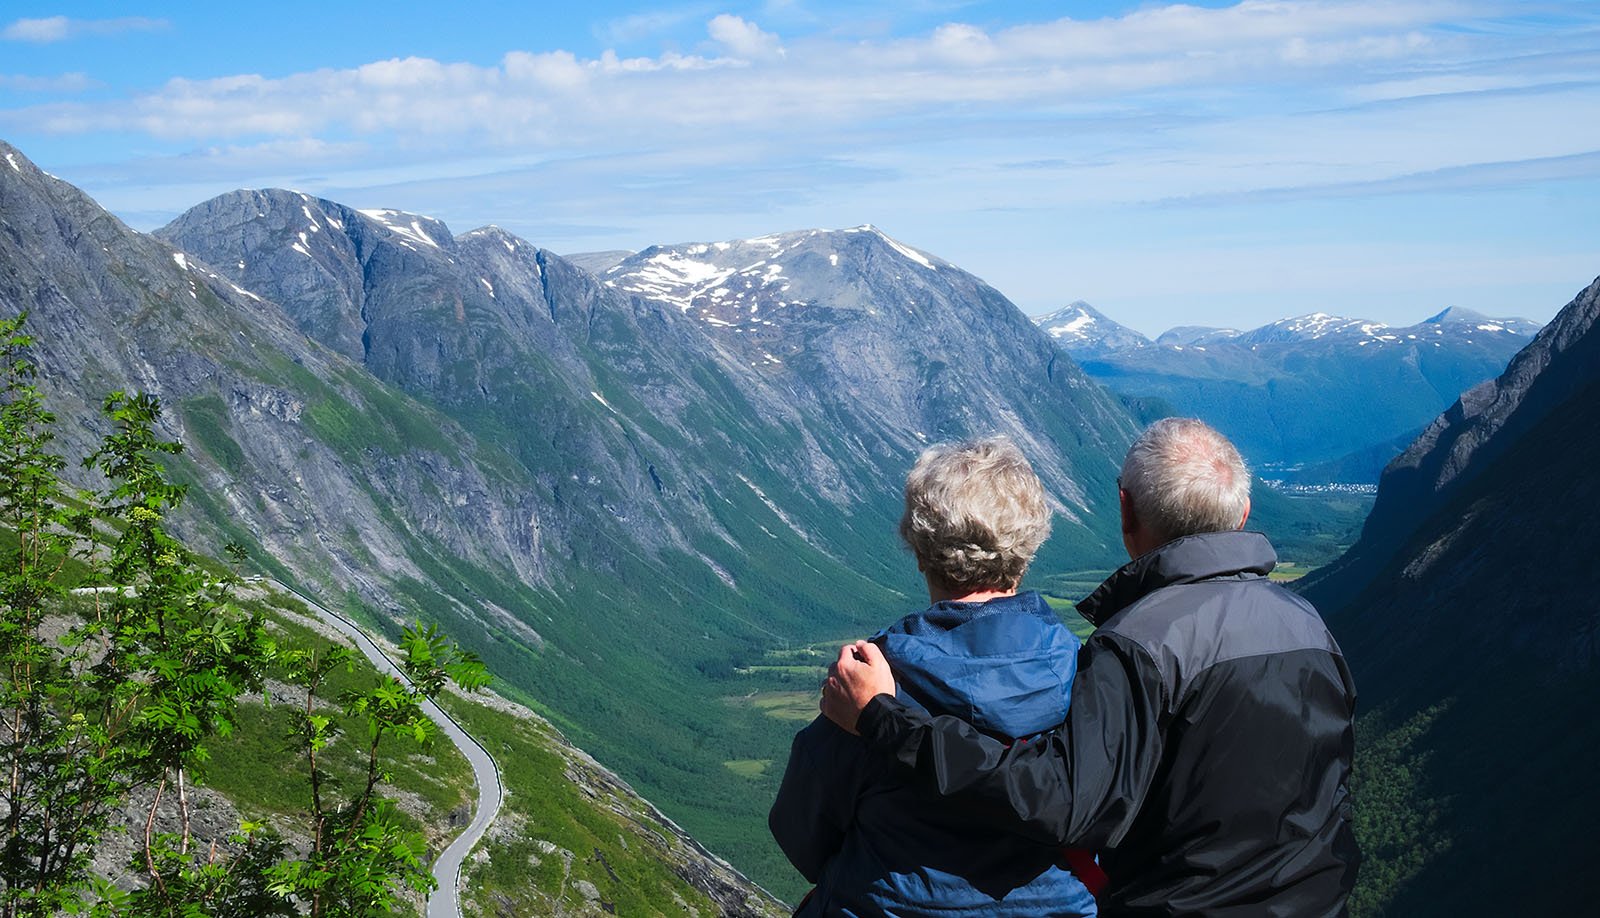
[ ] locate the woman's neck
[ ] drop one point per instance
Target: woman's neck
(938, 593)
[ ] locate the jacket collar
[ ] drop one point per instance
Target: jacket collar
(947, 615)
(1005, 665)
(1207, 556)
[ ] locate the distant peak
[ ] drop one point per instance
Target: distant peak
(491, 231)
(1074, 310)
(1184, 335)
(1311, 319)
(1081, 329)
(1454, 314)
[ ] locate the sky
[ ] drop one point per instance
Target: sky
(1214, 163)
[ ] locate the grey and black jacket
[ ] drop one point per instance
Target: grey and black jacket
(1206, 753)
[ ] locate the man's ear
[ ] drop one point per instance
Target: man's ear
(1130, 519)
(1246, 515)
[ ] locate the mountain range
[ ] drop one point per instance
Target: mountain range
(1305, 391)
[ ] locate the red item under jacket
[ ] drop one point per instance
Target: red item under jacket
(1083, 865)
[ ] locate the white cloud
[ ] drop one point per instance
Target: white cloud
(553, 70)
(752, 81)
(743, 39)
(963, 44)
(61, 28)
(54, 28)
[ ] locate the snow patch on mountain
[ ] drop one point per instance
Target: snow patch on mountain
(408, 225)
(776, 510)
(745, 284)
(678, 278)
(910, 253)
(1076, 325)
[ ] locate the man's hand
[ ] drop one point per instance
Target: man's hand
(859, 675)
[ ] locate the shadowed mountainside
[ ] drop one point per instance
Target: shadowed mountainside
(1469, 618)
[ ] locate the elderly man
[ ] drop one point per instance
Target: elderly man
(1207, 749)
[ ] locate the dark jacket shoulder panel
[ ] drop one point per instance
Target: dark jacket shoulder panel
(1185, 629)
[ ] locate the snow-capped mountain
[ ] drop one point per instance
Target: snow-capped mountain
(1464, 324)
(1080, 329)
(900, 348)
(746, 283)
(1308, 389)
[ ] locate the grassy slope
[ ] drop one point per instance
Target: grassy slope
(637, 870)
(569, 832)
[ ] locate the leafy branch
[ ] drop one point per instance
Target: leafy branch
(118, 686)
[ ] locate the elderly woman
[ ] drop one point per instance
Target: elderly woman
(975, 514)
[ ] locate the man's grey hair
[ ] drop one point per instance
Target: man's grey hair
(1185, 478)
(975, 514)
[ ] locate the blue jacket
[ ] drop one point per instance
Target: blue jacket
(876, 847)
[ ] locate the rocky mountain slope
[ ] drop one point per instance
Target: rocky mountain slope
(349, 488)
(1471, 626)
(1309, 389)
(897, 349)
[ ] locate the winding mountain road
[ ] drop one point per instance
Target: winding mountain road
(446, 903)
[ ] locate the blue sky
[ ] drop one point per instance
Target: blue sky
(1212, 163)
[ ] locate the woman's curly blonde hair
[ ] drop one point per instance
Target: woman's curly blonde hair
(975, 514)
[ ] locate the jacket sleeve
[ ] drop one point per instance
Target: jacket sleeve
(1080, 784)
(817, 801)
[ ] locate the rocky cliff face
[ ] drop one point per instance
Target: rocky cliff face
(1468, 614)
(824, 381)
(1489, 420)
(286, 437)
